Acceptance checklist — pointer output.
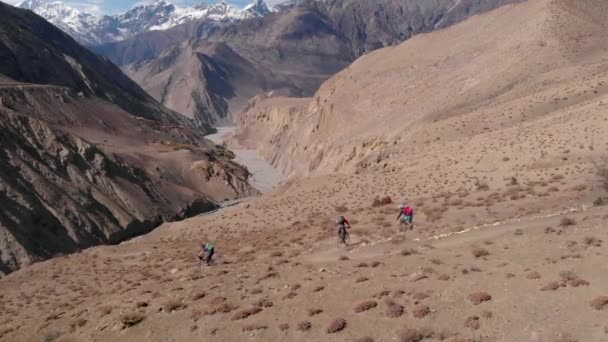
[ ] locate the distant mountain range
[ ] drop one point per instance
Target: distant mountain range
(89, 29)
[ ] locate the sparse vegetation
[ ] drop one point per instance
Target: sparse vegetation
(313, 312)
(479, 297)
(480, 252)
(421, 311)
(304, 326)
(173, 305)
(254, 327)
(599, 303)
(131, 318)
(415, 335)
(244, 313)
(336, 325)
(365, 306)
(567, 221)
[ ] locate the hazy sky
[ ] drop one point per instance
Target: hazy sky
(115, 6)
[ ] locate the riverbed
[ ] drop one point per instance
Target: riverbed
(264, 177)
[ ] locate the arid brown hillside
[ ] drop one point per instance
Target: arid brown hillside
(518, 92)
(517, 256)
(87, 156)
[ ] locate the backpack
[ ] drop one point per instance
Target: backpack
(408, 211)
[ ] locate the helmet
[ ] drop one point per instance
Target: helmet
(401, 206)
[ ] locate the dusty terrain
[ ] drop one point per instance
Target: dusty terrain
(86, 156)
(493, 129)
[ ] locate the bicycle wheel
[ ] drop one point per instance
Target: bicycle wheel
(342, 236)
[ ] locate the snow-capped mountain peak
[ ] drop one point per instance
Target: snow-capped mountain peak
(158, 15)
(257, 8)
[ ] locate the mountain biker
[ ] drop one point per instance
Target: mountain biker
(343, 225)
(207, 252)
(406, 214)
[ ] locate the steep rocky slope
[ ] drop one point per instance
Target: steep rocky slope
(87, 156)
(211, 72)
(521, 97)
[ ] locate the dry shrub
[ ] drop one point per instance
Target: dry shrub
(198, 295)
(519, 232)
(421, 311)
(105, 310)
(244, 313)
(362, 265)
(263, 303)
(254, 327)
(552, 286)
(304, 326)
(130, 319)
(335, 326)
(313, 312)
(318, 288)
(480, 252)
(567, 221)
(415, 335)
(408, 252)
(472, 322)
(375, 264)
(276, 254)
(365, 305)
(479, 297)
(343, 258)
(268, 275)
(592, 241)
(378, 202)
(79, 322)
(381, 294)
(173, 305)
(487, 314)
(420, 296)
(394, 310)
(444, 277)
(599, 303)
(290, 295)
(284, 326)
(533, 275)
(361, 279)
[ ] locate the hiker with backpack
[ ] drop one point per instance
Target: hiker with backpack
(406, 214)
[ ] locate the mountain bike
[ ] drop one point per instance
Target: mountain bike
(343, 236)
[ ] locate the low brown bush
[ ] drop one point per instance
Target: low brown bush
(304, 326)
(254, 327)
(552, 286)
(361, 279)
(415, 335)
(173, 305)
(472, 322)
(592, 241)
(599, 303)
(244, 313)
(263, 303)
(318, 288)
(421, 311)
(131, 318)
(567, 221)
(365, 306)
(284, 326)
(480, 252)
(479, 297)
(394, 310)
(378, 202)
(365, 339)
(313, 312)
(335, 326)
(533, 275)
